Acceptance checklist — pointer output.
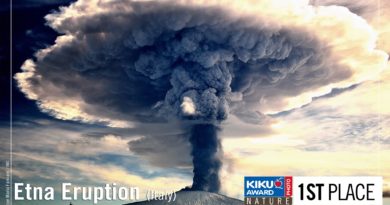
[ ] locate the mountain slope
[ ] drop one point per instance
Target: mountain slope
(194, 198)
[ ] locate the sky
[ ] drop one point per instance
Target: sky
(79, 116)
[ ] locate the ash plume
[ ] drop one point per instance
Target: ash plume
(206, 152)
(134, 62)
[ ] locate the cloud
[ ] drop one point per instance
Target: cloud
(365, 9)
(156, 145)
(377, 13)
(38, 3)
(188, 106)
(163, 150)
(323, 144)
(153, 55)
(49, 152)
(334, 135)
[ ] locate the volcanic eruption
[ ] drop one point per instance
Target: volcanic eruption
(122, 63)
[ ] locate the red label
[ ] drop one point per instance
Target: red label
(288, 186)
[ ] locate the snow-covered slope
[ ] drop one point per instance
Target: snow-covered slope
(195, 198)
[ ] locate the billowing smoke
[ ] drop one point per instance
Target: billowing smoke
(123, 63)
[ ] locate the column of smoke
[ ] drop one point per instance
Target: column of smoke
(206, 160)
